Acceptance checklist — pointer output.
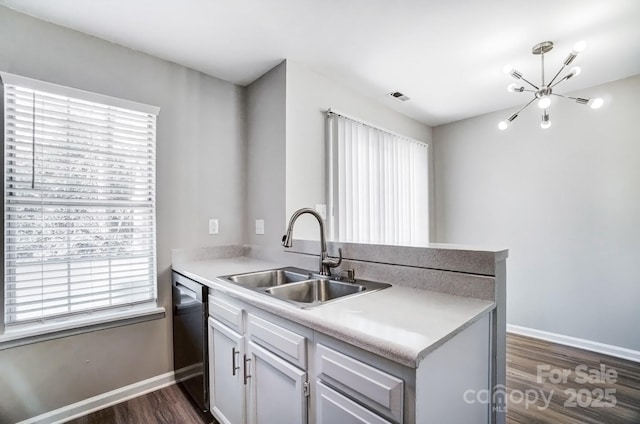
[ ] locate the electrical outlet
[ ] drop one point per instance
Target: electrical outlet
(259, 226)
(322, 210)
(213, 226)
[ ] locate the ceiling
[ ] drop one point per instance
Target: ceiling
(447, 56)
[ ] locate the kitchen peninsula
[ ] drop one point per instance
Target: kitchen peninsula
(414, 352)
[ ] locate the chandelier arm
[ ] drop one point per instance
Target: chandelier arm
(525, 106)
(556, 76)
(581, 100)
(563, 79)
(532, 85)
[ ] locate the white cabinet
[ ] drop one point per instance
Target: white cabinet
(355, 386)
(381, 393)
(334, 408)
(277, 389)
(257, 375)
(268, 370)
(227, 390)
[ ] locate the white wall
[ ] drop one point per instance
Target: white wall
(565, 201)
(309, 95)
(200, 174)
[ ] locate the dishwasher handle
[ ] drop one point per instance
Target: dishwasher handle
(186, 297)
(189, 287)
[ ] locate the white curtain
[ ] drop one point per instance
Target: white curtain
(378, 185)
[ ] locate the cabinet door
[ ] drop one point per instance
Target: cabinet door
(333, 408)
(276, 389)
(227, 389)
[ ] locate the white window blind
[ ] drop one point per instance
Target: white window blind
(79, 202)
(378, 185)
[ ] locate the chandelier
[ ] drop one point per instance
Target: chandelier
(544, 92)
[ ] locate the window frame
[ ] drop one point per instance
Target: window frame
(18, 334)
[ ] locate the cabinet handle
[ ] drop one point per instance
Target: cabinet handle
(234, 367)
(246, 373)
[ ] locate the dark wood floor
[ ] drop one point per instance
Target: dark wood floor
(165, 406)
(524, 356)
(574, 399)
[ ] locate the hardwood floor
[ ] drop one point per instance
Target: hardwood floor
(567, 401)
(165, 406)
(547, 372)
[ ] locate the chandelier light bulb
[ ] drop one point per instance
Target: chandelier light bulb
(507, 69)
(511, 88)
(575, 71)
(596, 103)
(546, 123)
(580, 46)
(503, 125)
(544, 102)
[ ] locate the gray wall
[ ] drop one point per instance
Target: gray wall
(565, 201)
(286, 144)
(309, 95)
(266, 156)
(200, 174)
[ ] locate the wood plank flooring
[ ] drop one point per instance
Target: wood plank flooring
(584, 395)
(166, 406)
(524, 356)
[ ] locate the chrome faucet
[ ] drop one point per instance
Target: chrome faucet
(326, 263)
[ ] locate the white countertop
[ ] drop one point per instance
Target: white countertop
(398, 323)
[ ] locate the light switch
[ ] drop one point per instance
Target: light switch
(259, 226)
(213, 226)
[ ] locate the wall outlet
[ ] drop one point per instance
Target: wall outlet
(322, 210)
(213, 226)
(259, 226)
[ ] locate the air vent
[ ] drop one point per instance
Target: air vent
(399, 96)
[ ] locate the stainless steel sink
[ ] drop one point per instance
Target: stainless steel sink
(312, 291)
(301, 287)
(269, 278)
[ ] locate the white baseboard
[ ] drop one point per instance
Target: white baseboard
(103, 400)
(618, 352)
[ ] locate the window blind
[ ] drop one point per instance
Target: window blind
(378, 185)
(79, 202)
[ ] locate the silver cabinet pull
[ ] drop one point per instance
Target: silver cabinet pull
(246, 372)
(234, 368)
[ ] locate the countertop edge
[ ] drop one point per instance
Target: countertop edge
(435, 345)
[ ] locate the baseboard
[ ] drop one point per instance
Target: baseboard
(103, 400)
(618, 352)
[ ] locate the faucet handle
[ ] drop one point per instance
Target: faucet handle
(348, 275)
(332, 262)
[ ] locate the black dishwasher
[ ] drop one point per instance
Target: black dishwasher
(190, 345)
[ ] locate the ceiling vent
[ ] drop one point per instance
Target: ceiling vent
(399, 96)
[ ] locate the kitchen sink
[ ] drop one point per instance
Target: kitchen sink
(312, 291)
(269, 278)
(300, 287)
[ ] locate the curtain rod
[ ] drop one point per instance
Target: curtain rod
(331, 111)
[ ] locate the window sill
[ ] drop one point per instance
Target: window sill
(14, 337)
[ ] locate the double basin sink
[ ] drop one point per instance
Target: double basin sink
(302, 288)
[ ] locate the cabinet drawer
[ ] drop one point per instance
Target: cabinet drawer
(285, 343)
(378, 390)
(226, 312)
(334, 408)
